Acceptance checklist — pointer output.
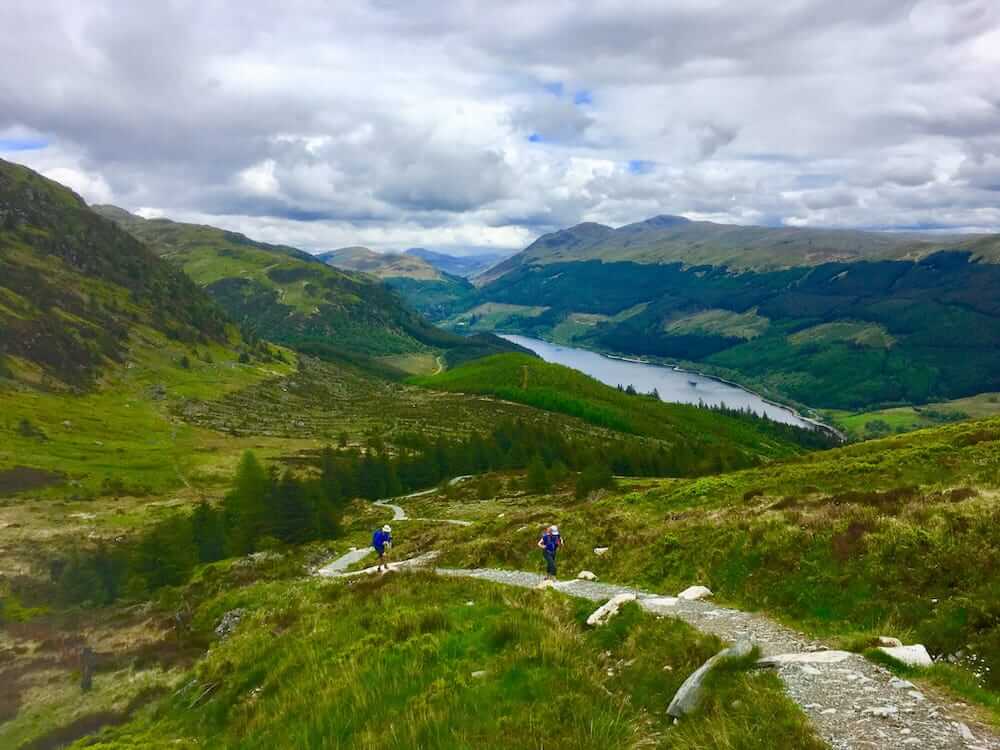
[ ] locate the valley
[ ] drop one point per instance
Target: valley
(168, 492)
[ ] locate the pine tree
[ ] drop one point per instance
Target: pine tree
(245, 506)
(208, 533)
(538, 477)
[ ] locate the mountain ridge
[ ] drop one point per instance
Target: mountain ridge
(666, 238)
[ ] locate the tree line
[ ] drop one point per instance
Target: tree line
(267, 508)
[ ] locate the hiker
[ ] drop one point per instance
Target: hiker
(549, 544)
(382, 542)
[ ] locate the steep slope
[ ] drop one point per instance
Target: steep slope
(284, 294)
(459, 265)
(74, 287)
(828, 318)
(291, 297)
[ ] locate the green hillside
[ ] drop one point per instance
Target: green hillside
(433, 293)
(702, 439)
(832, 319)
(72, 286)
(890, 537)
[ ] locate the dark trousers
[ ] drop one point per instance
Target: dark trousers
(550, 561)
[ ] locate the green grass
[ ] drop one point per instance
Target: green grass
(561, 389)
(896, 537)
(397, 660)
(875, 423)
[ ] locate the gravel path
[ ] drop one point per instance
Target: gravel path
(853, 703)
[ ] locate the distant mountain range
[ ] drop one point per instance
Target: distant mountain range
(381, 265)
(668, 239)
(830, 318)
(459, 265)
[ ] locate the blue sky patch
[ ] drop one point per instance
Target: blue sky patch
(535, 138)
(555, 88)
(641, 166)
(583, 96)
(22, 144)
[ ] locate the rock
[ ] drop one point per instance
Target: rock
(546, 583)
(689, 695)
(911, 656)
(479, 673)
(812, 657)
(883, 712)
(901, 684)
(609, 609)
(586, 575)
(966, 733)
(692, 593)
(67, 424)
(888, 641)
(810, 671)
(229, 622)
(600, 550)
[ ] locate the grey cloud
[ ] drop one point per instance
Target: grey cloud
(390, 123)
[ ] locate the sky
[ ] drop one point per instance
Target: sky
(478, 126)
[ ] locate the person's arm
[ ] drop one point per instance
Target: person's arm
(541, 543)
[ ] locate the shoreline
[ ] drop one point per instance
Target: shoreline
(816, 424)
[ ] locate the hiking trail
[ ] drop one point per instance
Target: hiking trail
(853, 703)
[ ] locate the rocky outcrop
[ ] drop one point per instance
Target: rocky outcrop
(609, 609)
(689, 695)
(911, 656)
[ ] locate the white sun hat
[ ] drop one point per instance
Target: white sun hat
(387, 528)
(554, 529)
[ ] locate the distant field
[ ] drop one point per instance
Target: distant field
(490, 316)
(908, 418)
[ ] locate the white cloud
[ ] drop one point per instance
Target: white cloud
(408, 124)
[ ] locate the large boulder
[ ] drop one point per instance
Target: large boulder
(586, 575)
(689, 695)
(609, 609)
(911, 656)
(695, 592)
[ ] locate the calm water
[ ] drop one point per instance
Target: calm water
(672, 385)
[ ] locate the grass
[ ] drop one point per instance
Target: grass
(876, 423)
(895, 537)
(414, 661)
(561, 389)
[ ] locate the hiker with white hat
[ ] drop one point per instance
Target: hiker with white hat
(549, 544)
(382, 542)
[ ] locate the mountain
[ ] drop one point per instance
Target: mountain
(288, 296)
(466, 266)
(828, 318)
(669, 239)
(430, 291)
(75, 289)
(382, 265)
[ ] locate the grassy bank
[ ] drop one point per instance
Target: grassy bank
(894, 537)
(414, 661)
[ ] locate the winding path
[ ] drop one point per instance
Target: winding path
(853, 703)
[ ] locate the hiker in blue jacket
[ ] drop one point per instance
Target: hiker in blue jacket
(549, 544)
(382, 542)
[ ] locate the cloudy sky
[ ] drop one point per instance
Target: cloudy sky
(474, 125)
